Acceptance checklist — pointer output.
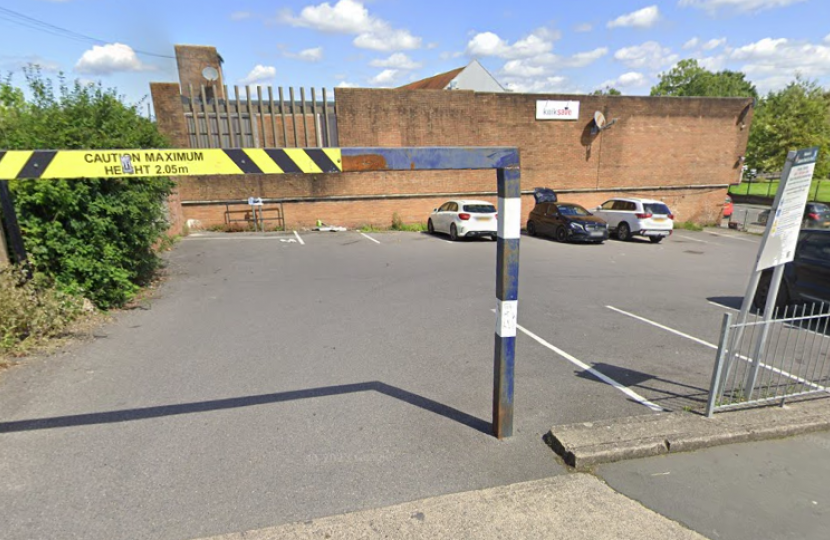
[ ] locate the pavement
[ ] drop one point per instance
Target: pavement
(276, 381)
(576, 507)
(774, 490)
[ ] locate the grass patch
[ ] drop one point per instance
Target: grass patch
(32, 310)
(688, 226)
(819, 190)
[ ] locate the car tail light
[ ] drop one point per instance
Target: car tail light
(463, 217)
(643, 216)
(813, 215)
(671, 216)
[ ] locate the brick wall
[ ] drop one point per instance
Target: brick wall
(191, 60)
(688, 143)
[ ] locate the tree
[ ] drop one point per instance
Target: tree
(688, 79)
(607, 91)
(95, 237)
(796, 117)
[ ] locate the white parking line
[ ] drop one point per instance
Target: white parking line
(732, 236)
(237, 237)
(693, 239)
(713, 346)
(601, 376)
(370, 238)
(300, 240)
(721, 305)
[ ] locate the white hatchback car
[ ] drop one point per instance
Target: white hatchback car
(464, 218)
(641, 217)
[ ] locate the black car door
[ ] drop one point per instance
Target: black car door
(552, 219)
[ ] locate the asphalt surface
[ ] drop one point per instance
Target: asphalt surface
(766, 490)
(275, 381)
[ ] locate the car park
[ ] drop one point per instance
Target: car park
(806, 278)
(629, 217)
(566, 222)
(464, 219)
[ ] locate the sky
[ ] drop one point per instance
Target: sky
(551, 46)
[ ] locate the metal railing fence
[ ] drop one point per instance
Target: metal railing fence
(762, 362)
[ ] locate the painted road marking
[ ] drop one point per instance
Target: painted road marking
(713, 346)
(300, 240)
(369, 237)
(585, 367)
(732, 236)
(721, 305)
(694, 239)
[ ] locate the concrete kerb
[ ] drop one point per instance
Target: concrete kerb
(585, 445)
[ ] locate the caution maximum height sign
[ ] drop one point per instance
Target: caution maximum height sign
(20, 164)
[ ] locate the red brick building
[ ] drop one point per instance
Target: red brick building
(685, 151)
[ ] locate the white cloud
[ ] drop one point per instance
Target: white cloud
(691, 44)
(649, 55)
(489, 44)
(782, 57)
(241, 15)
(713, 6)
(15, 63)
(545, 64)
(584, 27)
(632, 79)
(385, 77)
(388, 40)
(346, 84)
(110, 58)
(396, 61)
(259, 74)
(713, 44)
(352, 17)
(549, 85)
(713, 63)
(642, 18)
(307, 55)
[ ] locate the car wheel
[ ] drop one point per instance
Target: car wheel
(561, 235)
(623, 232)
(531, 228)
(655, 239)
(430, 227)
(453, 233)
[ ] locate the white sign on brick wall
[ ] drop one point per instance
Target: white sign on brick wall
(557, 110)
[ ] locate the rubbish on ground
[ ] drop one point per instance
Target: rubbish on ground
(323, 227)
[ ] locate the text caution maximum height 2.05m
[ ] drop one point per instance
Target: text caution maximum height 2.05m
(19, 164)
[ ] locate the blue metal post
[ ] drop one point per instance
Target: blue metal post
(507, 296)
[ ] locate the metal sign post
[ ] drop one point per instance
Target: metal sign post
(777, 249)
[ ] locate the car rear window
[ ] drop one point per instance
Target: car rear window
(656, 208)
(818, 207)
(480, 208)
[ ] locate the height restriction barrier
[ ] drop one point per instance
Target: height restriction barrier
(132, 163)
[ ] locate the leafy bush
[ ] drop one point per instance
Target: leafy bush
(94, 236)
(32, 309)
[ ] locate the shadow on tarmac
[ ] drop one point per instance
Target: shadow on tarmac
(144, 413)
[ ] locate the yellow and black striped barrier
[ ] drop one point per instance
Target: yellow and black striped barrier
(18, 164)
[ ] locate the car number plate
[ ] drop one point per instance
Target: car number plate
(659, 219)
(484, 218)
(597, 233)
